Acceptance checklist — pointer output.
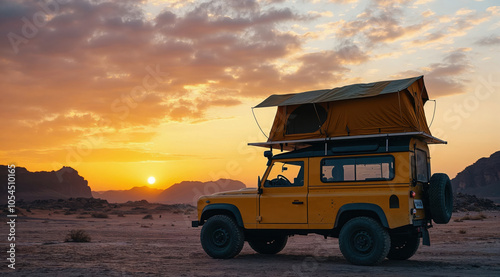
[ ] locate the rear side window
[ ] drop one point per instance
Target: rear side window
(422, 167)
(375, 168)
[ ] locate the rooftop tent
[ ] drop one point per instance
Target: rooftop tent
(385, 107)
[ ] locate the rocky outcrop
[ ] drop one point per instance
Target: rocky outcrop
(470, 203)
(29, 186)
(481, 178)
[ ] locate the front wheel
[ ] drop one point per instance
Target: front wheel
(403, 247)
(221, 237)
(268, 246)
(363, 241)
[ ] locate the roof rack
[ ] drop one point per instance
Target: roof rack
(290, 145)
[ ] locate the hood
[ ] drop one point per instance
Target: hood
(236, 192)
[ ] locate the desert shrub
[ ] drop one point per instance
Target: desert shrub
(121, 215)
(148, 216)
(100, 215)
(77, 236)
(479, 216)
(462, 231)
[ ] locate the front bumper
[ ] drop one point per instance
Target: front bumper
(195, 223)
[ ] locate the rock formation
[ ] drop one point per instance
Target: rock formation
(62, 184)
(481, 178)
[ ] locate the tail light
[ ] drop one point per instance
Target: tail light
(413, 194)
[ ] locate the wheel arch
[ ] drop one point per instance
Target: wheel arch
(224, 209)
(352, 210)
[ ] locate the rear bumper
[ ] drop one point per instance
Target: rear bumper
(195, 223)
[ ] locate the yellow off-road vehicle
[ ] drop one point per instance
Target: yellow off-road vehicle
(360, 175)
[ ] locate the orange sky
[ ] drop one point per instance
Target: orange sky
(124, 90)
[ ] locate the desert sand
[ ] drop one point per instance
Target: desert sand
(166, 245)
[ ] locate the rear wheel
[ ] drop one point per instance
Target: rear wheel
(268, 245)
(221, 237)
(403, 247)
(363, 241)
(440, 198)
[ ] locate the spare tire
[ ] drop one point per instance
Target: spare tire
(440, 198)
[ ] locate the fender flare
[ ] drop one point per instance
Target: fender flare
(362, 207)
(230, 208)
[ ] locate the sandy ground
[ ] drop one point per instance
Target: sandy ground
(168, 246)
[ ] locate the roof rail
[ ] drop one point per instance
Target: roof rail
(298, 144)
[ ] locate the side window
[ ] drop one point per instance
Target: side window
(338, 170)
(286, 174)
(379, 168)
(422, 168)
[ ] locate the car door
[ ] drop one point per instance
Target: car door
(284, 193)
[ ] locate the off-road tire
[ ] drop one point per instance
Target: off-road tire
(403, 247)
(363, 241)
(440, 198)
(221, 237)
(268, 246)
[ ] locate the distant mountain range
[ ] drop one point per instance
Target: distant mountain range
(481, 178)
(61, 184)
(184, 192)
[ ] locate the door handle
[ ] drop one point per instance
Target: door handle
(297, 202)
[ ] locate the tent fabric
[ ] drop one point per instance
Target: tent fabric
(362, 109)
(343, 93)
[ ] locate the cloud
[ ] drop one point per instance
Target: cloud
(494, 10)
(379, 23)
(421, 2)
(446, 28)
(488, 41)
(343, 1)
(447, 77)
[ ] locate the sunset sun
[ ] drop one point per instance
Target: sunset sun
(151, 180)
